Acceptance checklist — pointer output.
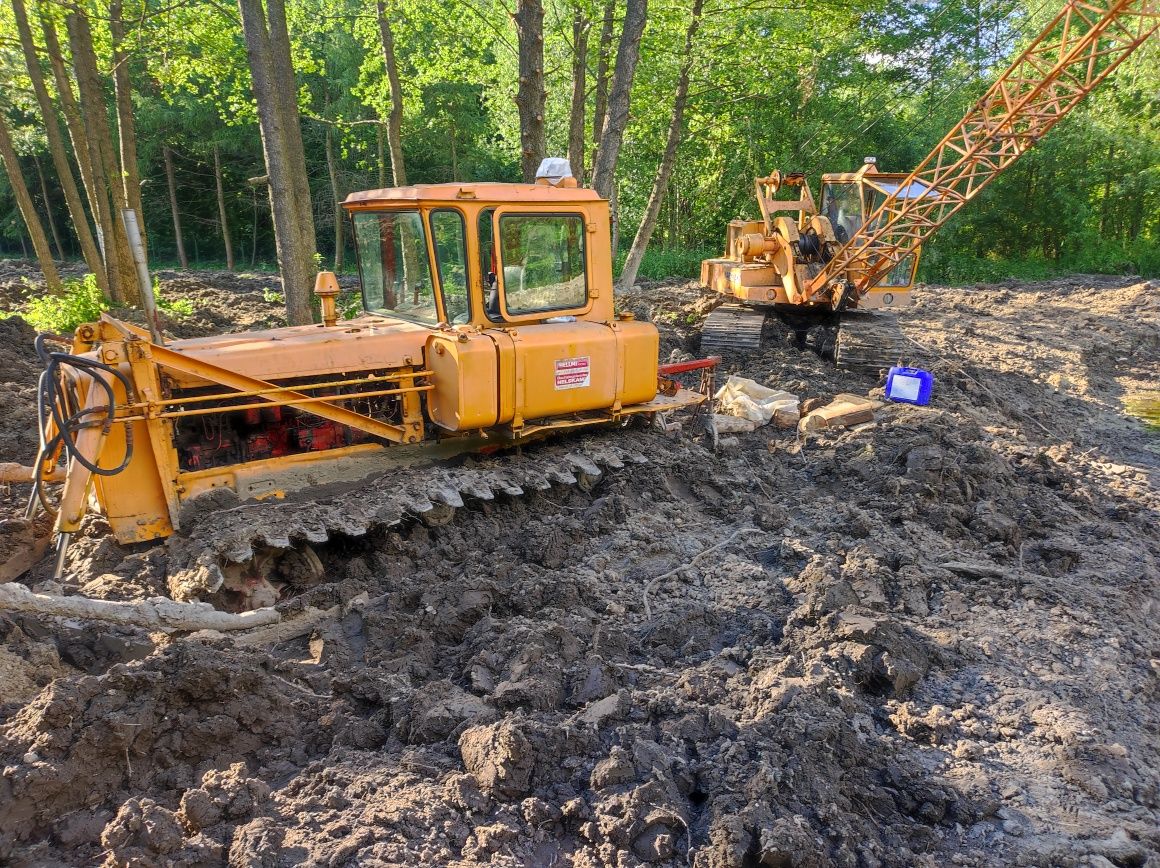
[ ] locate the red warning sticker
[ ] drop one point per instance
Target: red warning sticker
(573, 373)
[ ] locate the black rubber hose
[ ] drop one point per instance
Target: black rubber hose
(50, 398)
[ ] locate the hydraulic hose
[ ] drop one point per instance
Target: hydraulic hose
(53, 403)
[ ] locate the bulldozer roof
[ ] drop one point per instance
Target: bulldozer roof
(479, 192)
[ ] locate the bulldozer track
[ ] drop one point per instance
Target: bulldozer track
(732, 327)
(216, 534)
(870, 342)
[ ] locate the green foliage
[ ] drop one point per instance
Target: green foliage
(350, 305)
(659, 264)
(273, 296)
(81, 302)
(812, 87)
(178, 308)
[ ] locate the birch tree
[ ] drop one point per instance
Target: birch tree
(668, 159)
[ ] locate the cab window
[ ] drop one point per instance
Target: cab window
(842, 206)
(542, 256)
(488, 266)
(447, 232)
(393, 265)
(901, 274)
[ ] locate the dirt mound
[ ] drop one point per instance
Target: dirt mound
(86, 744)
(19, 371)
(20, 280)
(929, 640)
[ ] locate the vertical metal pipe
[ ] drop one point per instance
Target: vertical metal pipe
(148, 302)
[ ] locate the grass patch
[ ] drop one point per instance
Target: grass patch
(1146, 407)
(178, 308)
(82, 301)
(660, 264)
(952, 268)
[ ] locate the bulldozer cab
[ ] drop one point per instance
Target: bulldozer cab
(505, 293)
(848, 201)
(488, 255)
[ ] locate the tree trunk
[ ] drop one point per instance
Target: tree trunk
(668, 160)
(454, 151)
(531, 95)
(603, 66)
(110, 195)
(614, 219)
(616, 119)
(301, 294)
(57, 246)
(576, 138)
(27, 210)
(275, 90)
(76, 130)
(171, 181)
(221, 203)
(1106, 202)
(126, 126)
(395, 118)
(381, 144)
(254, 233)
(332, 170)
(56, 147)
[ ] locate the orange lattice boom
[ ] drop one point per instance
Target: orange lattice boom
(1073, 54)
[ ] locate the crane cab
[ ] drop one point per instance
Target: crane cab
(848, 200)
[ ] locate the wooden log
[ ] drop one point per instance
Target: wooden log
(155, 613)
(12, 472)
(843, 412)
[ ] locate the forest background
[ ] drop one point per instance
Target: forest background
(152, 104)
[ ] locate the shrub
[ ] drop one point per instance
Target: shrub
(175, 307)
(82, 301)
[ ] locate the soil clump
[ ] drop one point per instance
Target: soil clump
(927, 640)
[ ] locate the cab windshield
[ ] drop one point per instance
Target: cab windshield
(901, 274)
(393, 265)
(842, 205)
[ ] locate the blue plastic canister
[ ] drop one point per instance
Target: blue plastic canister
(909, 385)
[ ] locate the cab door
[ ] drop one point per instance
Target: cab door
(559, 362)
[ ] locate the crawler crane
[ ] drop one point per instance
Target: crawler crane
(845, 264)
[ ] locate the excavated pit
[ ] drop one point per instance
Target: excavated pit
(927, 641)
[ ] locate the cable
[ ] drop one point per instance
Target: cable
(53, 403)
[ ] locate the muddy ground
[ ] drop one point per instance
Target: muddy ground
(932, 640)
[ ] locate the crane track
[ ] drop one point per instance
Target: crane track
(218, 533)
(732, 327)
(870, 343)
